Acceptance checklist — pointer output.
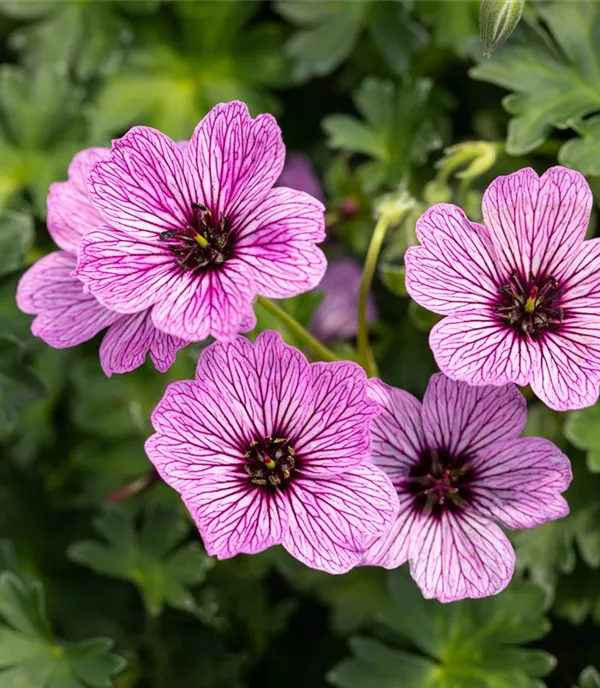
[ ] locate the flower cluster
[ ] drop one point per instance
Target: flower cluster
(165, 243)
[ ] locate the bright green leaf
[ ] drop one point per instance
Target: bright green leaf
(151, 556)
(328, 32)
(471, 644)
(30, 655)
(400, 127)
(555, 75)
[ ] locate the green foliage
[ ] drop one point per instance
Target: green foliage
(589, 678)
(152, 556)
(583, 430)
(328, 32)
(31, 656)
(399, 128)
(474, 644)
(555, 74)
(212, 56)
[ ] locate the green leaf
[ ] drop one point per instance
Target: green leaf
(400, 127)
(583, 153)
(30, 655)
(151, 556)
(329, 31)
(19, 383)
(589, 678)
(582, 429)
(16, 237)
(471, 644)
(214, 56)
(555, 74)
(41, 129)
(453, 25)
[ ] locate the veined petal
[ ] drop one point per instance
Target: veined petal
(581, 288)
(458, 556)
(474, 348)
(269, 381)
(125, 274)
(277, 243)
(464, 419)
(142, 189)
(330, 519)
(66, 315)
(217, 303)
(198, 432)
(391, 549)
(397, 434)
(234, 516)
(336, 434)
(127, 342)
(454, 270)
(234, 160)
(568, 374)
(70, 210)
(518, 482)
(534, 222)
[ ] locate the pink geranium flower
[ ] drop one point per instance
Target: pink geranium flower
(460, 468)
(196, 234)
(267, 449)
(66, 315)
(337, 317)
(522, 294)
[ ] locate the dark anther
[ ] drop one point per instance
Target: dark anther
(269, 461)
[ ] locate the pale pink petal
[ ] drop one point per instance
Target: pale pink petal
(460, 555)
(142, 189)
(269, 382)
(519, 481)
(125, 274)
(464, 419)
(391, 549)
(217, 303)
(336, 434)
(397, 434)
(481, 351)
(330, 519)
(198, 432)
(234, 160)
(127, 342)
(66, 315)
(454, 269)
(70, 210)
(568, 374)
(277, 243)
(234, 516)
(535, 223)
(581, 282)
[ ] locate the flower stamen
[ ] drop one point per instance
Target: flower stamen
(269, 461)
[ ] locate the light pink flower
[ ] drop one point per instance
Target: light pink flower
(522, 294)
(336, 317)
(267, 449)
(66, 315)
(196, 234)
(298, 173)
(459, 469)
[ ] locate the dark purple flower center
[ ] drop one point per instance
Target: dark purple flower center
(530, 306)
(270, 461)
(440, 481)
(205, 242)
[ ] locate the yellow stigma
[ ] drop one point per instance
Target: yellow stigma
(269, 463)
(201, 240)
(530, 305)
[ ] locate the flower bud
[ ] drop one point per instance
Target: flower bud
(497, 20)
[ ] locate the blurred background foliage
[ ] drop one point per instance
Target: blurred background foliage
(397, 109)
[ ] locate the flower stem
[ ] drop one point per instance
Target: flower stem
(296, 328)
(364, 349)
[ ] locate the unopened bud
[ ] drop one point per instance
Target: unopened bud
(497, 20)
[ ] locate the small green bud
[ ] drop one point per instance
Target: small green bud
(497, 20)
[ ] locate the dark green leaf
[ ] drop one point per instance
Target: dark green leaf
(30, 655)
(153, 557)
